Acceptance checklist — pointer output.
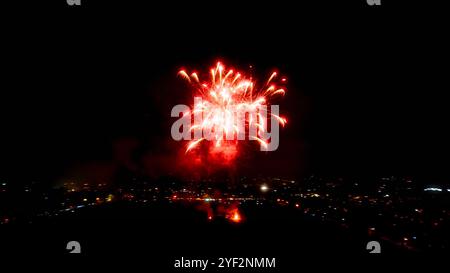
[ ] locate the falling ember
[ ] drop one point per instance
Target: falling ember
(236, 217)
(233, 215)
(226, 95)
(193, 144)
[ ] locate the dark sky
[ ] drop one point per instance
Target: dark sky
(91, 87)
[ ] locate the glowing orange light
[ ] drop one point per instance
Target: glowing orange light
(236, 217)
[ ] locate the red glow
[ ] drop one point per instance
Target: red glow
(236, 217)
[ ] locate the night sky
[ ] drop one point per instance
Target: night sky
(89, 91)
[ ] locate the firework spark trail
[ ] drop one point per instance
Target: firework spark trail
(229, 91)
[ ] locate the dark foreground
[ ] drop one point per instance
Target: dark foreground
(157, 236)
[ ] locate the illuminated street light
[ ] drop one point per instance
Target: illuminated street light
(264, 188)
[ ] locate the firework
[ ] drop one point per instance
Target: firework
(227, 95)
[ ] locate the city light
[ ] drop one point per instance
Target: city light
(433, 189)
(264, 188)
(229, 203)
(109, 198)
